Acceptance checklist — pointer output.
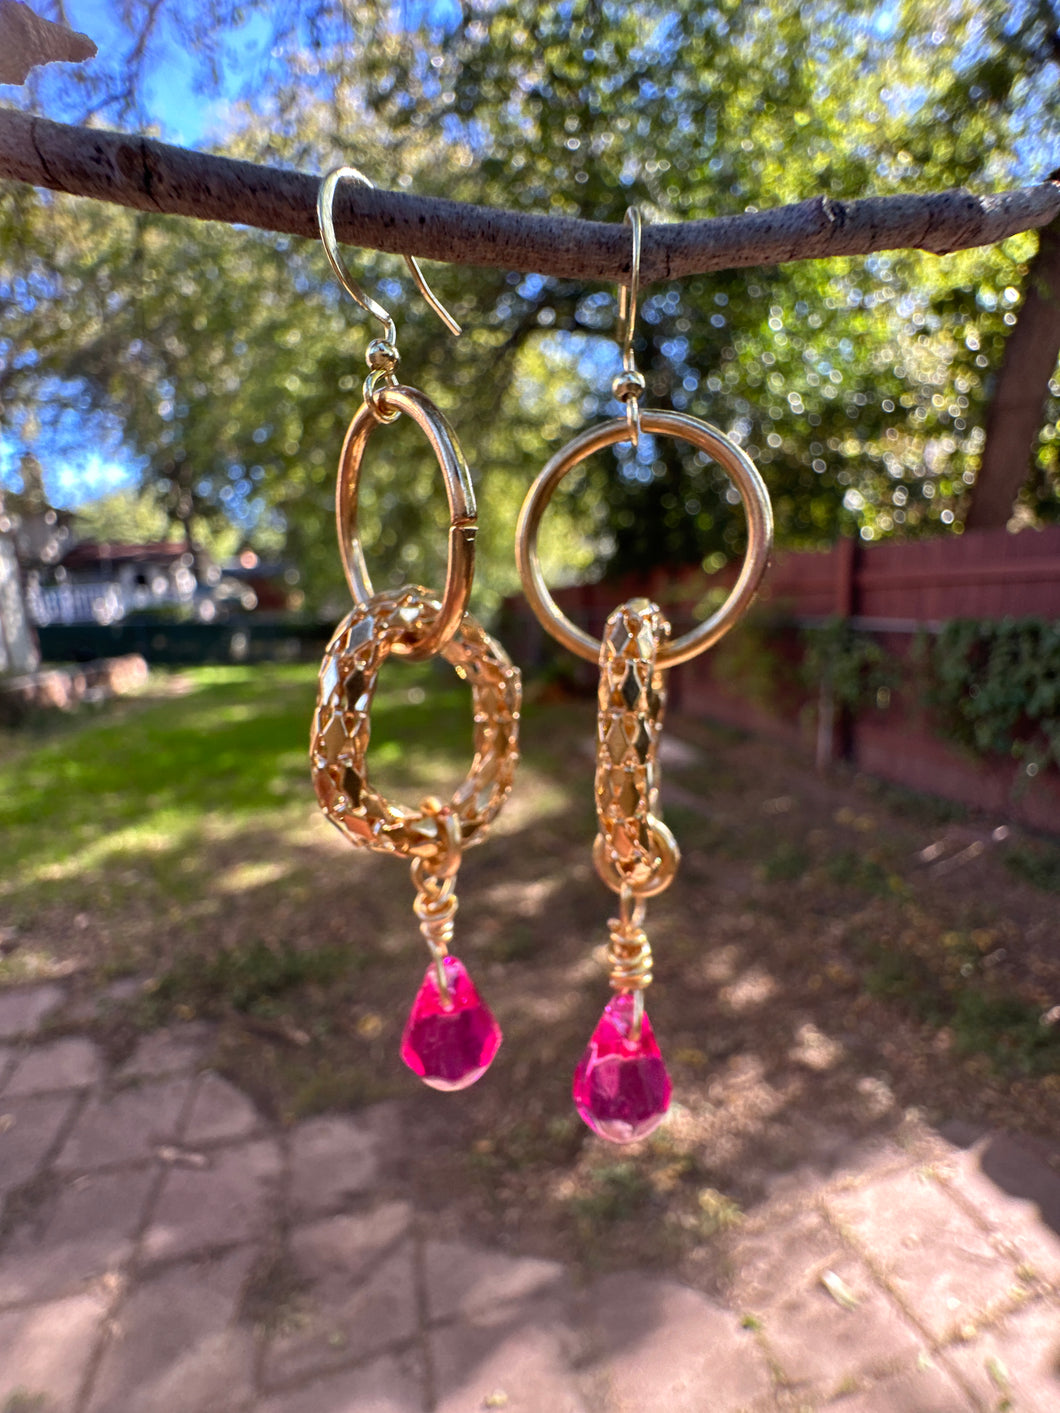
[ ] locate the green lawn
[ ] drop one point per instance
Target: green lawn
(138, 802)
(148, 776)
(810, 970)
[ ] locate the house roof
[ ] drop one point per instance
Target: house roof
(88, 554)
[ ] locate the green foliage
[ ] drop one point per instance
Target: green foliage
(787, 862)
(125, 517)
(992, 687)
(1006, 1029)
(23, 1401)
(851, 663)
(247, 978)
(995, 687)
(1037, 863)
(619, 1192)
(223, 358)
(759, 658)
(202, 750)
(922, 809)
(903, 976)
(854, 868)
(529, 1142)
(948, 989)
(717, 1213)
(140, 516)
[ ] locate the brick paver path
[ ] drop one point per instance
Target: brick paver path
(162, 1250)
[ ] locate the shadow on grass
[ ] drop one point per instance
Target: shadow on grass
(125, 802)
(186, 838)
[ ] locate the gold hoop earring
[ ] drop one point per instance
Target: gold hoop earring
(384, 401)
(621, 1087)
(451, 1036)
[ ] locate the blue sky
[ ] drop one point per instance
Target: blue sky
(179, 114)
(70, 483)
(183, 115)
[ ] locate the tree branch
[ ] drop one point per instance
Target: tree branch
(153, 176)
(27, 41)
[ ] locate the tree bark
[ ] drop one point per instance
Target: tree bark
(153, 176)
(1014, 416)
(27, 41)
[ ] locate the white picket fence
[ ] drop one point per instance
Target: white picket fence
(92, 603)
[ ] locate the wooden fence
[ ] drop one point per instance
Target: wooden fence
(892, 590)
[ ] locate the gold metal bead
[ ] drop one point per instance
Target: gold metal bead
(382, 356)
(628, 385)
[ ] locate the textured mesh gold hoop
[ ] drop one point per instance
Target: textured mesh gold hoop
(735, 462)
(633, 848)
(341, 729)
(432, 634)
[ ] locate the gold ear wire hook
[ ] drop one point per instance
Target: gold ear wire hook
(326, 222)
(628, 294)
(629, 384)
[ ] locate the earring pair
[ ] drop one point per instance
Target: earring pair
(621, 1086)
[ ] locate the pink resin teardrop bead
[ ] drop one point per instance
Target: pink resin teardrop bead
(449, 1045)
(621, 1087)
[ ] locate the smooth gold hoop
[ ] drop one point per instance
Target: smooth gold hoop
(735, 462)
(387, 402)
(433, 832)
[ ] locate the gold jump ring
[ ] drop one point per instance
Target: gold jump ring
(735, 462)
(647, 884)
